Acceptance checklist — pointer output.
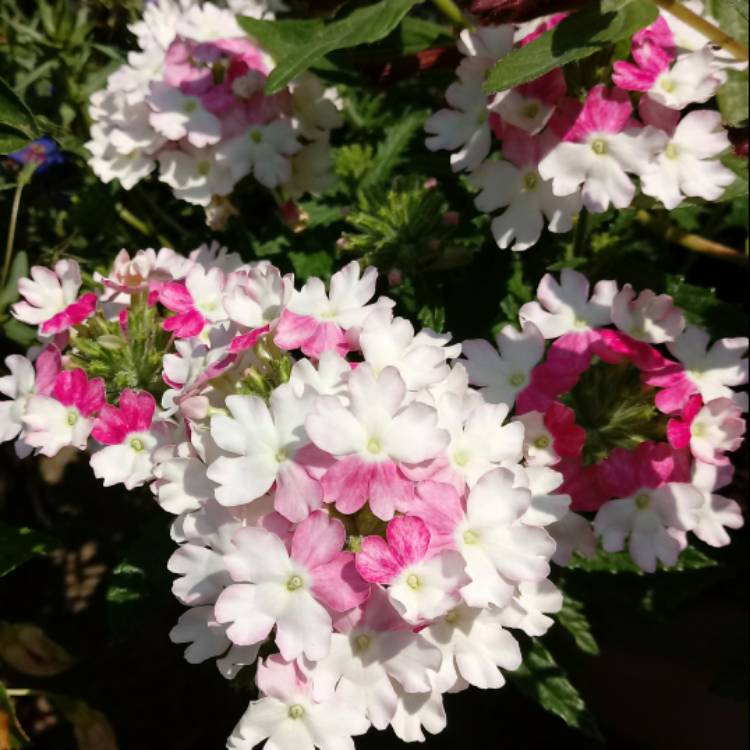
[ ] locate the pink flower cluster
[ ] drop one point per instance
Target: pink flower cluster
(192, 101)
(559, 155)
(352, 496)
(646, 457)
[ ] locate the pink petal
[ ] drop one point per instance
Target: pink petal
(297, 493)
(318, 539)
(175, 297)
(409, 538)
(246, 340)
(72, 315)
(549, 88)
(376, 562)
(568, 437)
(185, 325)
(632, 77)
(604, 111)
(678, 433)
(47, 366)
(137, 409)
(110, 426)
(672, 399)
(347, 483)
(440, 507)
(582, 484)
(338, 585)
(294, 330)
(70, 386)
(327, 337)
(389, 490)
(93, 398)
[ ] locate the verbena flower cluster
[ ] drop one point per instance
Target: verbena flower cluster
(538, 155)
(191, 102)
(635, 409)
(358, 514)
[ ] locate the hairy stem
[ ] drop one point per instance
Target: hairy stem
(11, 232)
(701, 25)
(693, 242)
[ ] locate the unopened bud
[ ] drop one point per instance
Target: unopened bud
(450, 218)
(295, 217)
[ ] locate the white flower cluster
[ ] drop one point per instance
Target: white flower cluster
(558, 155)
(191, 100)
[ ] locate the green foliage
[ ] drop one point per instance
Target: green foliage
(18, 546)
(691, 558)
(573, 618)
(541, 678)
(298, 45)
(579, 36)
(17, 124)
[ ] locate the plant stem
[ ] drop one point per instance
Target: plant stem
(701, 25)
(19, 692)
(138, 224)
(11, 232)
(693, 242)
(582, 232)
(451, 11)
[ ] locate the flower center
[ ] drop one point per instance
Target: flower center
(672, 151)
(204, 167)
(362, 643)
(189, 106)
(481, 117)
(471, 537)
(668, 85)
(599, 146)
(642, 500)
(281, 456)
(530, 180)
(294, 583)
(72, 417)
(517, 379)
(452, 617)
(542, 442)
(461, 458)
(296, 712)
(414, 582)
(137, 444)
(530, 110)
(374, 446)
(256, 136)
(697, 429)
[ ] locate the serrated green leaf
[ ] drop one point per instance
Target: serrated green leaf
(298, 45)
(15, 118)
(392, 147)
(18, 269)
(541, 678)
(580, 35)
(12, 735)
(306, 265)
(19, 545)
(573, 618)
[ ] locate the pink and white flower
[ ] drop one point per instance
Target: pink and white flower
(647, 316)
(370, 438)
(130, 440)
(717, 513)
(421, 586)
(529, 607)
(197, 302)
(65, 416)
(50, 298)
(290, 590)
(314, 321)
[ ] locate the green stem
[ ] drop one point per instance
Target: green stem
(452, 12)
(582, 233)
(19, 692)
(11, 232)
(138, 224)
(694, 242)
(702, 26)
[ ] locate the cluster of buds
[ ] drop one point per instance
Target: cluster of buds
(191, 100)
(635, 409)
(560, 154)
(363, 514)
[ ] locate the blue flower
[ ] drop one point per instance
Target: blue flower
(43, 152)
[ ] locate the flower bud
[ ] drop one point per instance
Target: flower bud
(27, 649)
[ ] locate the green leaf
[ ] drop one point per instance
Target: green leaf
(541, 678)
(19, 545)
(12, 735)
(580, 35)
(620, 562)
(18, 269)
(573, 618)
(139, 585)
(298, 45)
(392, 147)
(19, 332)
(733, 98)
(16, 120)
(306, 265)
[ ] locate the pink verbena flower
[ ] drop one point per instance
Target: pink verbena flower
(126, 431)
(197, 302)
(421, 585)
(291, 590)
(50, 298)
(64, 417)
